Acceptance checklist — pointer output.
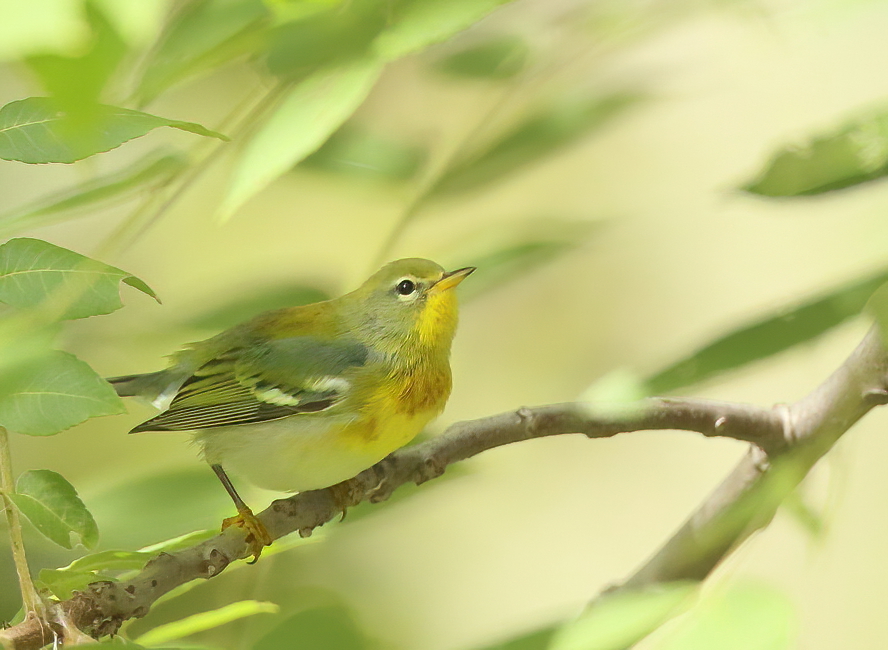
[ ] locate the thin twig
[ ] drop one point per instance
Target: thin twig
(30, 599)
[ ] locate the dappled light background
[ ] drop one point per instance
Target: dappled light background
(612, 252)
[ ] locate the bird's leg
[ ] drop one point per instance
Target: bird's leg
(257, 535)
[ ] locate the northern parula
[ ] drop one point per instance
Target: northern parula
(305, 397)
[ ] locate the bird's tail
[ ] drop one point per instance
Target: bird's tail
(152, 386)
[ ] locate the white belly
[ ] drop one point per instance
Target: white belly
(293, 454)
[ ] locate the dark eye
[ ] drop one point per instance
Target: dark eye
(405, 287)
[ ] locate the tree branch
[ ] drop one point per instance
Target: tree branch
(788, 441)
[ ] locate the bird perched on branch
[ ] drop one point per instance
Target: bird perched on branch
(305, 397)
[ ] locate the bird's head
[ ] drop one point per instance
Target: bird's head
(410, 299)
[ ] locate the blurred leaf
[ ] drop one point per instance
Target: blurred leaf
(877, 307)
(201, 36)
(114, 642)
(769, 335)
(540, 135)
(497, 57)
(180, 542)
(304, 119)
(329, 628)
(383, 29)
(338, 35)
(856, 153)
(147, 174)
(538, 640)
(622, 619)
(165, 504)
(38, 130)
(359, 153)
(527, 247)
(415, 24)
(742, 617)
(77, 81)
(811, 521)
(58, 393)
(24, 346)
(41, 26)
(251, 303)
(52, 505)
(205, 621)
(69, 285)
(616, 394)
(109, 561)
(63, 583)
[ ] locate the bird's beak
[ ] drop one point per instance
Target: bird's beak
(451, 279)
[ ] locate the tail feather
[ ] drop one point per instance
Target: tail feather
(156, 387)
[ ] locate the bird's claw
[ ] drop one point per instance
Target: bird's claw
(258, 536)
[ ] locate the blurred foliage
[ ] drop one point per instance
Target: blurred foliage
(247, 304)
(743, 615)
(496, 57)
(200, 36)
(620, 620)
(856, 153)
(355, 152)
(205, 621)
(769, 335)
(148, 174)
(329, 628)
(542, 133)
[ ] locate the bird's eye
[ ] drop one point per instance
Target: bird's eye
(405, 287)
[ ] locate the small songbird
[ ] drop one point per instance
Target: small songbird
(305, 397)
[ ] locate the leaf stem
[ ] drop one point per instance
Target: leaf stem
(30, 599)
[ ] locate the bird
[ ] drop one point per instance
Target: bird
(305, 397)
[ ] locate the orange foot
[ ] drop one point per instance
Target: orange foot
(257, 535)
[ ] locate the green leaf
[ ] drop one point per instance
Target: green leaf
(63, 583)
(68, 285)
(743, 616)
(354, 152)
(854, 154)
(109, 561)
(537, 640)
(620, 620)
(52, 505)
(329, 628)
(336, 36)
(497, 57)
(203, 35)
(304, 119)
(416, 24)
(501, 258)
(769, 335)
(540, 135)
(205, 621)
(145, 175)
(39, 130)
(77, 81)
(249, 303)
(59, 392)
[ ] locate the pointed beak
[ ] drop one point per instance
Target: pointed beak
(452, 278)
